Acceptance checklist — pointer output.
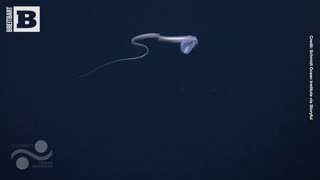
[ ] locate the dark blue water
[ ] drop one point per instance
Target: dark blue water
(234, 108)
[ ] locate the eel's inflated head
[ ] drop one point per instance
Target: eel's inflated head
(187, 45)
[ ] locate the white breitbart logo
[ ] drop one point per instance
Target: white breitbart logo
(23, 19)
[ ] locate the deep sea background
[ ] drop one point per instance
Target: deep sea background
(236, 107)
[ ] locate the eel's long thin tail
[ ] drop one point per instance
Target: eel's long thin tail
(119, 60)
(133, 41)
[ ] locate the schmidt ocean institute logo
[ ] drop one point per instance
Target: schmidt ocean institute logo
(23, 19)
(35, 155)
